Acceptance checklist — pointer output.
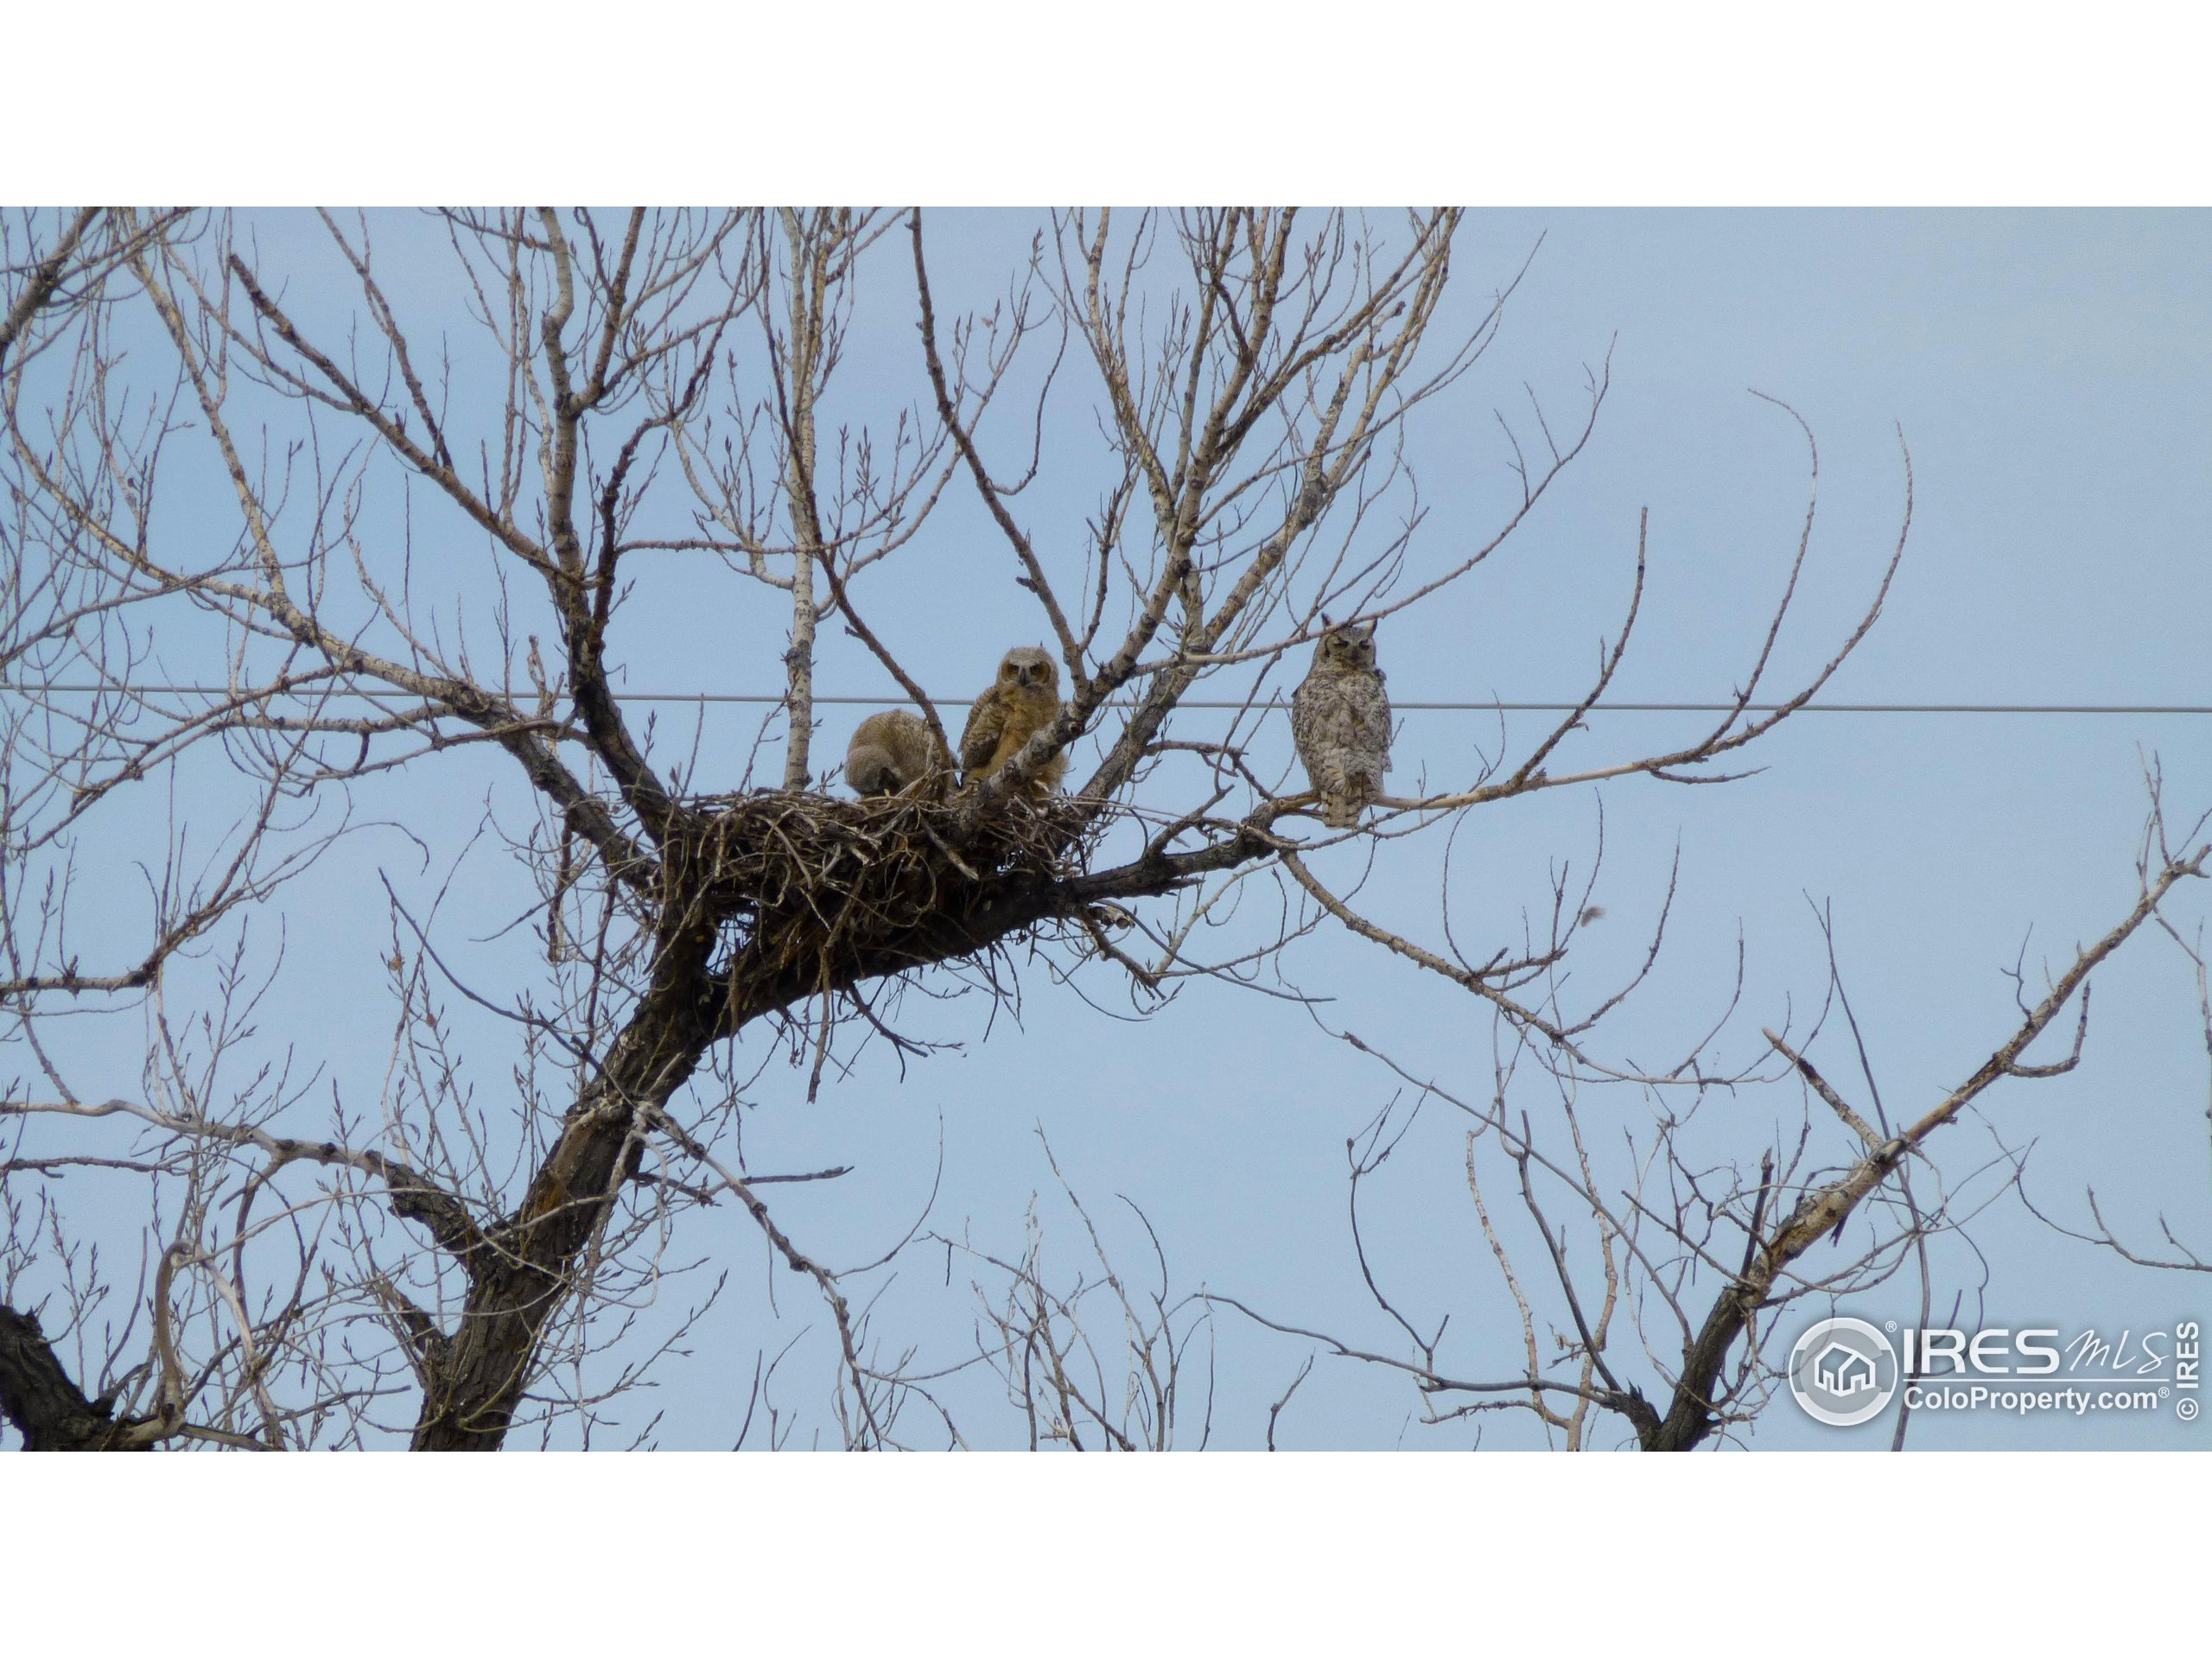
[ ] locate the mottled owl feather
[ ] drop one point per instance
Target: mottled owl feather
(1340, 720)
(1023, 700)
(896, 751)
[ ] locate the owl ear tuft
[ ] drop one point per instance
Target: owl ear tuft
(1325, 624)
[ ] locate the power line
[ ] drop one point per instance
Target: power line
(768, 699)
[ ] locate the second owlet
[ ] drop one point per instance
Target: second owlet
(1340, 718)
(895, 752)
(1020, 702)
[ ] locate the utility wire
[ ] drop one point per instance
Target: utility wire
(1397, 706)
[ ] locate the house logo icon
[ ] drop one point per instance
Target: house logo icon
(1843, 1371)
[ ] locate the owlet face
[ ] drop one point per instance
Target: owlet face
(1029, 665)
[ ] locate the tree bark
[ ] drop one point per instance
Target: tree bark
(474, 1379)
(38, 1396)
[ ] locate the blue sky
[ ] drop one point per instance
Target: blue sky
(2049, 371)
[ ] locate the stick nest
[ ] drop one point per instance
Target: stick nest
(825, 891)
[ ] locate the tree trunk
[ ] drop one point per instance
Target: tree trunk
(38, 1397)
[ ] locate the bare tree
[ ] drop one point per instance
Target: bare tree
(2174, 1252)
(1651, 1264)
(394, 552)
(1094, 1361)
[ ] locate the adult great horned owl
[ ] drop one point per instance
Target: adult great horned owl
(895, 751)
(1340, 717)
(1020, 704)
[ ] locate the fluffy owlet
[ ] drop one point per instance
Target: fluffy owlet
(895, 751)
(1021, 701)
(1340, 717)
